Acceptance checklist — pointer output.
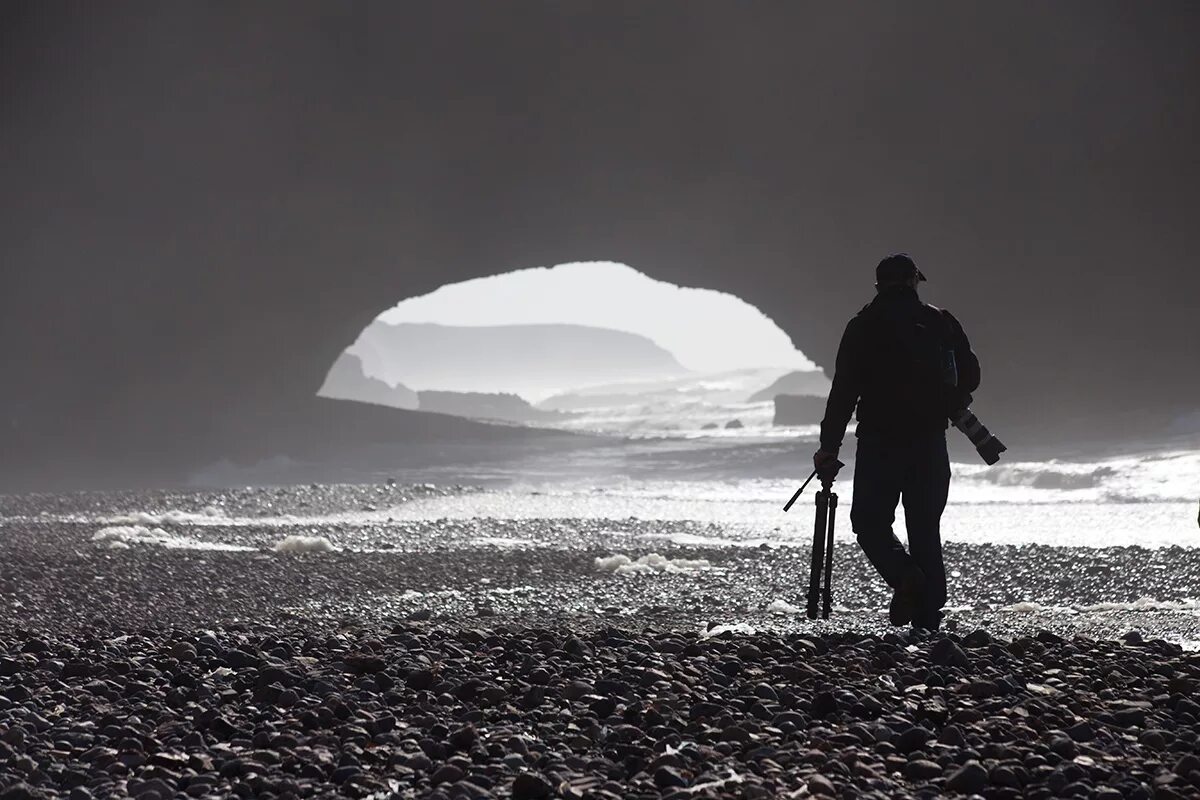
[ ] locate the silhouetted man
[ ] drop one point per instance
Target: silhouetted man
(907, 366)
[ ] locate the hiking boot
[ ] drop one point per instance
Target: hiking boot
(928, 620)
(905, 598)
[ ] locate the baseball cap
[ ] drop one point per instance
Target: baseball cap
(897, 268)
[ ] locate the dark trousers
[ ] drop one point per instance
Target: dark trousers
(916, 470)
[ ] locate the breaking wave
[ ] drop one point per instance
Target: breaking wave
(1159, 477)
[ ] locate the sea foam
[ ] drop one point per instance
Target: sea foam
(620, 564)
(304, 544)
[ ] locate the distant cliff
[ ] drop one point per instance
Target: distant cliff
(522, 359)
(485, 406)
(798, 409)
(799, 382)
(347, 381)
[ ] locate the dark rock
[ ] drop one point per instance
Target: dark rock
(240, 659)
(970, 778)
(447, 773)
(820, 785)
(614, 687)
(922, 770)
(668, 778)
(420, 679)
(530, 786)
(603, 707)
(946, 653)
(735, 733)
(343, 774)
(1082, 731)
(1129, 717)
(463, 738)
(911, 739)
(1154, 738)
(977, 638)
(1003, 775)
(982, 689)
(824, 704)
(467, 690)
(1063, 746)
(364, 663)
(1186, 765)
(182, 651)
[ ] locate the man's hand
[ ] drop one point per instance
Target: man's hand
(826, 463)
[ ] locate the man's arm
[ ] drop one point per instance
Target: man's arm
(964, 357)
(847, 387)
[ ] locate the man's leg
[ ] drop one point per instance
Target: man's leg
(926, 486)
(877, 483)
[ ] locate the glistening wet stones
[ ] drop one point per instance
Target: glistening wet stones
(517, 712)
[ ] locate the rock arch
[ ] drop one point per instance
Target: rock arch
(202, 207)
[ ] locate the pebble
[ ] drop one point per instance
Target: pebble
(970, 778)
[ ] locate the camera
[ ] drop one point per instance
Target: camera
(989, 446)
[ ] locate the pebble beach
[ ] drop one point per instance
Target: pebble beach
(299, 642)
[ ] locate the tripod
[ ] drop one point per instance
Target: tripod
(822, 549)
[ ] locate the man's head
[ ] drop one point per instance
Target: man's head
(897, 270)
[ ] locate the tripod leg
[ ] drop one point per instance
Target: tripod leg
(827, 607)
(818, 555)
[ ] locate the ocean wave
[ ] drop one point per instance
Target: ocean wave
(1153, 477)
(1047, 476)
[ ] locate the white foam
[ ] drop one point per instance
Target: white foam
(122, 537)
(304, 544)
(778, 606)
(734, 627)
(620, 564)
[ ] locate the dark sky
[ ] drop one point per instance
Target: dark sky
(201, 204)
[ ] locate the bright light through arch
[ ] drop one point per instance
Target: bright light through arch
(706, 330)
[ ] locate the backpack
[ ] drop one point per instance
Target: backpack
(921, 349)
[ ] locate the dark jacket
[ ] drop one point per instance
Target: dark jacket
(887, 365)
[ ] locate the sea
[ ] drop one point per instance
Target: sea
(695, 449)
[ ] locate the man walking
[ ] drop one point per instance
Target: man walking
(906, 365)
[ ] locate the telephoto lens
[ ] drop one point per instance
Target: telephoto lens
(988, 446)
